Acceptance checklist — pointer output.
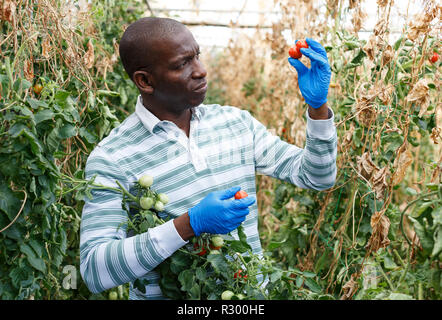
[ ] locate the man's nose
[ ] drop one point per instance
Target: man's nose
(199, 70)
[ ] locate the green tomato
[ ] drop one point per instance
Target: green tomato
(217, 241)
(214, 252)
(146, 181)
(240, 296)
(146, 202)
(227, 295)
(163, 198)
(113, 295)
(159, 206)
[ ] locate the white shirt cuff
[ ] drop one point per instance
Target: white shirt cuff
(323, 129)
(166, 239)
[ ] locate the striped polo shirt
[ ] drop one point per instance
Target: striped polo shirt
(226, 147)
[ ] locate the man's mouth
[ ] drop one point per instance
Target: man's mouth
(202, 87)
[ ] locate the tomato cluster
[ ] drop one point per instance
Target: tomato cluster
(295, 51)
(239, 275)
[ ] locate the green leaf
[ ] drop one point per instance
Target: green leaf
(437, 242)
(38, 248)
(357, 60)
(274, 245)
(410, 191)
(186, 279)
(179, 262)
(399, 296)
(68, 131)
(218, 263)
(437, 214)
(108, 93)
(35, 104)
(308, 274)
(421, 208)
(275, 276)
(89, 136)
(389, 263)
(43, 115)
(9, 202)
(33, 260)
(61, 97)
(201, 274)
(299, 281)
(313, 285)
(239, 246)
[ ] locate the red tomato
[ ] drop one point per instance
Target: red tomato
(434, 58)
(237, 274)
(295, 53)
(301, 44)
(240, 194)
(37, 88)
(203, 250)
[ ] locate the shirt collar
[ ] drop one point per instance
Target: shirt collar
(150, 121)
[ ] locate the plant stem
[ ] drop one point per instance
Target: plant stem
(390, 284)
(406, 268)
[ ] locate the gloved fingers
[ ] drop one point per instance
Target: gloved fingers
(243, 203)
(314, 56)
(298, 65)
(316, 46)
(229, 193)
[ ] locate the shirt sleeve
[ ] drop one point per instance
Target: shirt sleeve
(311, 167)
(107, 257)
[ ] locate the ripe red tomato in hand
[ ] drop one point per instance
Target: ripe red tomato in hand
(295, 53)
(434, 57)
(301, 44)
(240, 194)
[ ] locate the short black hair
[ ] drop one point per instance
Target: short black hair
(138, 39)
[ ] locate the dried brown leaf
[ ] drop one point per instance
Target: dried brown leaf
(46, 48)
(369, 47)
(401, 163)
(380, 225)
(349, 287)
(89, 56)
(420, 23)
(366, 166)
(435, 135)
(381, 27)
(7, 11)
(380, 182)
(28, 70)
(420, 96)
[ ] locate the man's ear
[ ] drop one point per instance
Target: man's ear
(143, 81)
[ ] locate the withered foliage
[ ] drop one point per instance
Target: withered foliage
(255, 75)
(380, 225)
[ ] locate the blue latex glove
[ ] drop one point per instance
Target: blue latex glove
(313, 82)
(218, 215)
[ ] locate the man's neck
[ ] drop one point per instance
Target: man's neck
(182, 119)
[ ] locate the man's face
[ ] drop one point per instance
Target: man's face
(179, 77)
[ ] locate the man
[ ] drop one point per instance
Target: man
(199, 155)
